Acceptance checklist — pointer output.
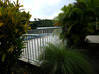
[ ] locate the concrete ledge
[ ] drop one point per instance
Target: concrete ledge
(92, 38)
(32, 62)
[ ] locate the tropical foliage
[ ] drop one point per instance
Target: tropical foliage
(41, 23)
(60, 60)
(78, 20)
(13, 23)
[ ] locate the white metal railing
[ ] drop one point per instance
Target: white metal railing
(34, 43)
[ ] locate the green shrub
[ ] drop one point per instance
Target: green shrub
(60, 60)
(77, 20)
(13, 23)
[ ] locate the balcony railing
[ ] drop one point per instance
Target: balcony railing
(35, 40)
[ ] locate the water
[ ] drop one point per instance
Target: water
(34, 45)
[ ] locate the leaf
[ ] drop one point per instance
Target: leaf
(26, 27)
(21, 5)
(1, 24)
(0, 13)
(1, 36)
(16, 30)
(13, 20)
(57, 24)
(11, 49)
(3, 57)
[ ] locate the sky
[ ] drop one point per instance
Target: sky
(44, 9)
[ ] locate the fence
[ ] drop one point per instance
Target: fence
(35, 40)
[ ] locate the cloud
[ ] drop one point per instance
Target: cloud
(44, 8)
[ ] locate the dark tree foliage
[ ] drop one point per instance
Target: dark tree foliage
(78, 20)
(41, 23)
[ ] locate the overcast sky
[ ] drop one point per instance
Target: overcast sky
(44, 9)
